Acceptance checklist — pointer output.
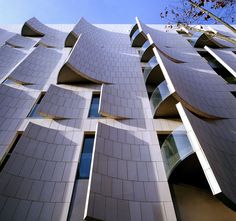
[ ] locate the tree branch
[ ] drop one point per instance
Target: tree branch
(212, 16)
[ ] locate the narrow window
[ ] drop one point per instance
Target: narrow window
(82, 172)
(18, 136)
(93, 111)
(85, 158)
(34, 111)
(162, 138)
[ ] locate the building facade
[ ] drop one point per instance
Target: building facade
(117, 122)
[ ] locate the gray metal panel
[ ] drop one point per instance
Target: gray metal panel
(15, 104)
(120, 101)
(119, 177)
(62, 103)
(27, 177)
(217, 139)
(9, 57)
(37, 67)
(178, 50)
(96, 62)
(224, 44)
(19, 41)
(226, 58)
(99, 35)
(50, 37)
(4, 36)
(204, 92)
(163, 37)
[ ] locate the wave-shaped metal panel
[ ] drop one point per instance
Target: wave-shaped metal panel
(120, 102)
(92, 62)
(126, 181)
(5, 35)
(164, 38)
(15, 104)
(178, 51)
(204, 92)
(9, 57)
(37, 180)
(61, 103)
(50, 37)
(224, 57)
(19, 41)
(224, 43)
(101, 36)
(37, 67)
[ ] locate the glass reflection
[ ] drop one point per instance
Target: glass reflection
(175, 148)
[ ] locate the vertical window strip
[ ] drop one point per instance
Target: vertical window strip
(85, 158)
(93, 111)
(33, 112)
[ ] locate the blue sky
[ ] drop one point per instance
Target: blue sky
(95, 11)
(70, 11)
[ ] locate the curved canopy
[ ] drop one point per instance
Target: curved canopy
(62, 103)
(19, 41)
(178, 51)
(9, 58)
(121, 102)
(15, 104)
(90, 61)
(50, 37)
(101, 36)
(34, 175)
(5, 35)
(37, 67)
(200, 93)
(126, 171)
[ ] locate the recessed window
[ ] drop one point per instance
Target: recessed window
(85, 158)
(17, 138)
(93, 111)
(34, 111)
(161, 138)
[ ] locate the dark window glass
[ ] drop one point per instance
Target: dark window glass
(85, 159)
(93, 111)
(34, 111)
(234, 93)
(161, 138)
